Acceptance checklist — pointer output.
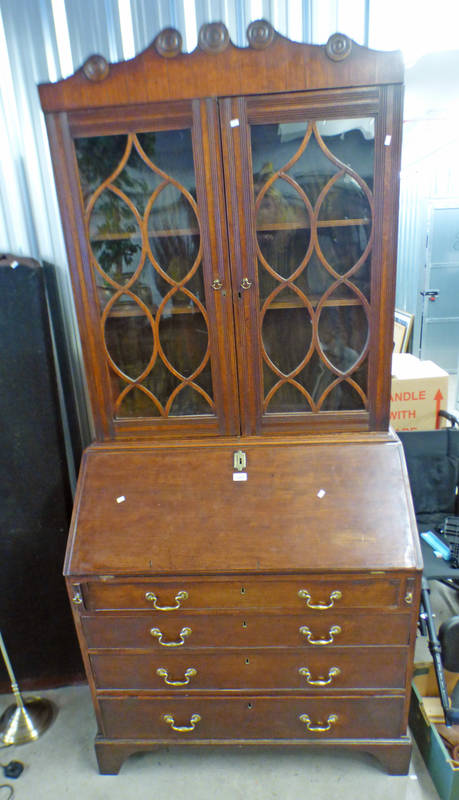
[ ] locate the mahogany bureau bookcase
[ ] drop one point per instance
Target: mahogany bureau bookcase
(243, 563)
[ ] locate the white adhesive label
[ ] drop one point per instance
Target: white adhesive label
(120, 499)
(234, 123)
(321, 493)
(388, 140)
(239, 476)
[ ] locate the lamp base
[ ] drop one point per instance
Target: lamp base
(27, 721)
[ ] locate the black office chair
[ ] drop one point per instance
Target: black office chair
(432, 459)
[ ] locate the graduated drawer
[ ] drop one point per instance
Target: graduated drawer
(244, 718)
(244, 630)
(325, 593)
(341, 668)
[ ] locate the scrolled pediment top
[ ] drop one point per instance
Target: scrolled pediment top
(270, 63)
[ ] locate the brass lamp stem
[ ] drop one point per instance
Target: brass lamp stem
(14, 685)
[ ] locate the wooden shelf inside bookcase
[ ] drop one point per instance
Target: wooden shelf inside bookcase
(275, 226)
(131, 311)
(304, 225)
(113, 237)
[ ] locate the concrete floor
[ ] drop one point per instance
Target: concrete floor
(61, 764)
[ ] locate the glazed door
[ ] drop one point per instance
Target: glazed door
(152, 270)
(308, 285)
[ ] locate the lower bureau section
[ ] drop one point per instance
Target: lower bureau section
(172, 719)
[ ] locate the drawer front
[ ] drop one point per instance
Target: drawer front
(191, 719)
(304, 593)
(244, 630)
(343, 668)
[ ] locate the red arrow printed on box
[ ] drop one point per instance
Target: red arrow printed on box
(438, 398)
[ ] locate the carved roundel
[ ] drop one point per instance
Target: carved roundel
(338, 47)
(168, 43)
(213, 37)
(96, 68)
(260, 34)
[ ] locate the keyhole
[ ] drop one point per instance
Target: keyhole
(247, 661)
(244, 624)
(249, 705)
(242, 590)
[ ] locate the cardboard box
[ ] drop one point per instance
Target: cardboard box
(425, 710)
(419, 390)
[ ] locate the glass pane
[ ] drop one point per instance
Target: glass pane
(137, 181)
(274, 146)
(318, 279)
(139, 194)
(286, 337)
(184, 339)
(128, 338)
(312, 183)
(190, 400)
(351, 141)
(345, 200)
(343, 334)
(288, 399)
(343, 246)
(343, 397)
(136, 403)
(284, 250)
(97, 158)
(114, 237)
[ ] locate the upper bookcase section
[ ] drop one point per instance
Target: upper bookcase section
(270, 63)
(230, 218)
